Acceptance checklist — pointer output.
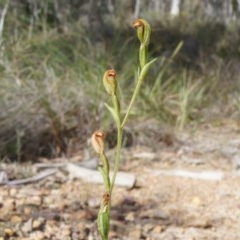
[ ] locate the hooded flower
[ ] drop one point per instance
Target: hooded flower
(110, 82)
(143, 31)
(97, 141)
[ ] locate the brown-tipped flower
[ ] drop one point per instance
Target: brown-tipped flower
(143, 30)
(97, 141)
(110, 82)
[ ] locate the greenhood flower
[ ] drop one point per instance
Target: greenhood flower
(110, 82)
(143, 31)
(97, 141)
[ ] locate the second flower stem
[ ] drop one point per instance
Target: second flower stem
(119, 140)
(139, 83)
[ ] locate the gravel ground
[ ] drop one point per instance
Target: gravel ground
(184, 190)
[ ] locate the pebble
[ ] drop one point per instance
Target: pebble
(16, 219)
(197, 221)
(9, 204)
(112, 234)
(66, 232)
(48, 200)
(38, 223)
(136, 233)
(37, 235)
(27, 210)
(130, 217)
(27, 226)
(196, 201)
(147, 228)
(8, 232)
(23, 192)
(13, 192)
(34, 200)
(158, 229)
(94, 202)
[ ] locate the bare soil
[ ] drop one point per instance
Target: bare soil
(186, 188)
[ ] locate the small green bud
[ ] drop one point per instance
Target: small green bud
(104, 217)
(97, 141)
(110, 82)
(143, 31)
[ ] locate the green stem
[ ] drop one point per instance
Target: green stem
(139, 83)
(105, 172)
(143, 51)
(119, 140)
(141, 77)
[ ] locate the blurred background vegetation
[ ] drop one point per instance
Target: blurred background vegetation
(53, 54)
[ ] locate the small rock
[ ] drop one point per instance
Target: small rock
(27, 210)
(47, 214)
(35, 200)
(3, 177)
(85, 214)
(62, 206)
(112, 234)
(51, 227)
(236, 162)
(66, 232)
(130, 216)
(13, 192)
(145, 155)
(23, 192)
(147, 228)
(37, 235)
(196, 201)
(156, 214)
(159, 214)
(135, 234)
(94, 202)
(27, 226)
(197, 221)
(9, 204)
(16, 219)
(158, 229)
(38, 223)
(8, 232)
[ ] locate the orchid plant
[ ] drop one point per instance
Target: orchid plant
(110, 83)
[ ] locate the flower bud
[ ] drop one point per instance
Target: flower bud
(110, 82)
(97, 141)
(143, 31)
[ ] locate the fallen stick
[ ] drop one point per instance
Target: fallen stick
(33, 179)
(90, 163)
(123, 179)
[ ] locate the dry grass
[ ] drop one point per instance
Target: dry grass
(50, 85)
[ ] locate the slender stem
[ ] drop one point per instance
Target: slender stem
(118, 157)
(143, 52)
(139, 83)
(119, 140)
(105, 172)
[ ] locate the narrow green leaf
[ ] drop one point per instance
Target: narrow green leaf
(112, 111)
(146, 68)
